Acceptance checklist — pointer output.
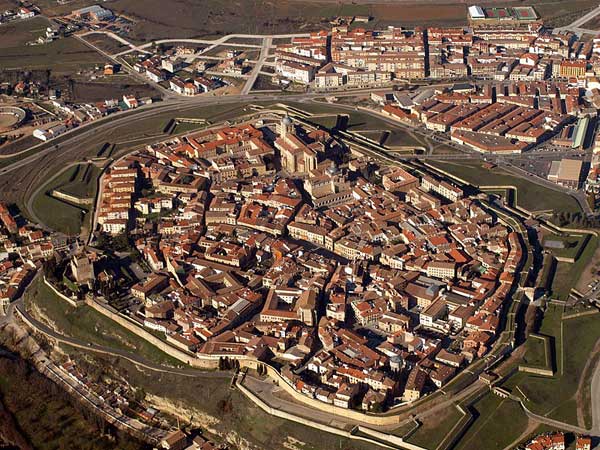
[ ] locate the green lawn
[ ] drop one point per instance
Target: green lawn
(530, 196)
(90, 326)
(536, 354)
(554, 396)
(435, 428)
(400, 138)
(59, 215)
(499, 423)
(567, 274)
(80, 181)
(573, 245)
(326, 121)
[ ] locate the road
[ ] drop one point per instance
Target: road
(595, 397)
(470, 154)
(211, 43)
(264, 54)
(134, 358)
(577, 25)
(117, 38)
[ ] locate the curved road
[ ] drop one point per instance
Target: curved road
(129, 356)
(595, 398)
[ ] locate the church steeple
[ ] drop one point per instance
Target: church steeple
(287, 127)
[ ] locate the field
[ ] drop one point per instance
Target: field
(88, 325)
(18, 33)
(530, 196)
(62, 56)
(8, 4)
(573, 341)
(567, 275)
(79, 181)
(105, 43)
(498, 424)
(559, 14)
(536, 354)
(434, 429)
(573, 245)
(61, 215)
(210, 18)
(114, 87)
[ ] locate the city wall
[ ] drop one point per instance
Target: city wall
(212, 362)
(536, 370)
(71, 198)
(378, 420)
(187, 358)
(73, 302)
(379, 437)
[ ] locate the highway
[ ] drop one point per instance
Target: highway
(69, 140)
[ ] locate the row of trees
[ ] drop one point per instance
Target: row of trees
(577, 219)
(226, 363)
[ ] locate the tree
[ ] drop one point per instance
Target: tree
(377, 408)
(139, 395)
(50, 269)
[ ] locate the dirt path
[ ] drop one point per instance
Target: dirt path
(588, 274)
(531, 427)
(586, 376)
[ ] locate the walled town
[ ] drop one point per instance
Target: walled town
(340, 224)
(260, 242)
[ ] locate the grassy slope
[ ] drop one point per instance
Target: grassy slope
(57, 214)
(555, 396)
(530, 195)
(234, 412)
(434, 429)
(567, 274)
(90, 326)
(500, 422)
(535, 353)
